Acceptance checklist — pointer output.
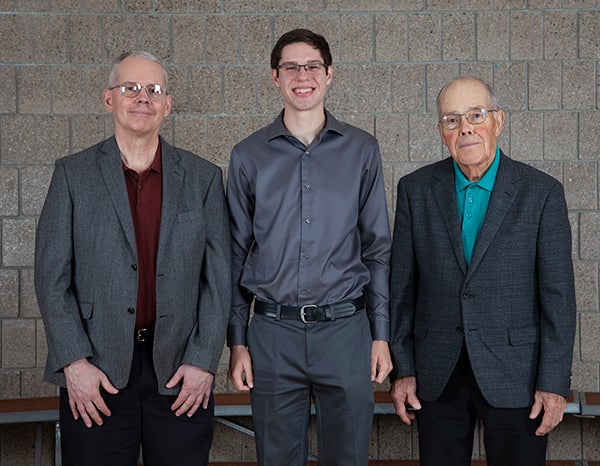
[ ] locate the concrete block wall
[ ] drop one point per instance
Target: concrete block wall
(390, 59)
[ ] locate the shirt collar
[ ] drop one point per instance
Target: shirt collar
(277, 128)
(156, 164)
(486, 182)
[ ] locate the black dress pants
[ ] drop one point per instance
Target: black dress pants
(446, 427)
(140, 416)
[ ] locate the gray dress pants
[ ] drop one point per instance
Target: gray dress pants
(328, 362)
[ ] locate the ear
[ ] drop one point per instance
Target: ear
(499, 118)
(329, 75)
(442, 134)
(107, 100)
(168, 104)
(275, 77)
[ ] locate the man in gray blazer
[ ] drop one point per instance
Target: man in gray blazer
(482, 293)
(132, 276)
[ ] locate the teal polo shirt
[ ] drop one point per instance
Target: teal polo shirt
(472, 199)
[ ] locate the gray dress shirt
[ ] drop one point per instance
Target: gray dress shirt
(309, 224)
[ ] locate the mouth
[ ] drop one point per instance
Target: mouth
(467, 144)
(303, 90)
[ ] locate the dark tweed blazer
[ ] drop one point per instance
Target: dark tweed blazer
(85, 276)
(514, 306)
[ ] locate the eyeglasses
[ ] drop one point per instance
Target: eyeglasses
(310, 68)
(475, 116)
(131, 89)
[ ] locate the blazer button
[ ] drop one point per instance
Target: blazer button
(134, 267)
(460, 329)
(131, 310)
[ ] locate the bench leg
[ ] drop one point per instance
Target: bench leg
(57, 452)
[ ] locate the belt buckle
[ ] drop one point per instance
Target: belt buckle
(303, 313)
(141, 334)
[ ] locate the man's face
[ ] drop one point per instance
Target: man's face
(302, 90)
(472, 146)
(139, 115)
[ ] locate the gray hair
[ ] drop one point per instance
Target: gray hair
(114, 72)
(492, 100)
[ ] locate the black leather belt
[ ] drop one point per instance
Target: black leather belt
(144, 334)
(310, 312)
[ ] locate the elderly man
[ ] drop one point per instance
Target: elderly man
(133, 281)
(482, 295)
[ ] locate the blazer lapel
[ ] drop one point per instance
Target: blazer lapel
(111, 168)
(503, 196)
(172, 180)
(445, 194)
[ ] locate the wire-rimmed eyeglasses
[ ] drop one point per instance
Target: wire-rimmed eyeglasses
(310, 68)
(475, 116)
(132, 89)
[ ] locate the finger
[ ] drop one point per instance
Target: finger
(249, 377)
(74, 410)
(536, 409)
(174, 380)
(413, 401)
(109, 387)
(179, 401)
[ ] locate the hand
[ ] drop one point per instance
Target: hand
(553, 405)
(381, 362)
(240, 368)
(404, 391)
(195, 389)
(83, 386)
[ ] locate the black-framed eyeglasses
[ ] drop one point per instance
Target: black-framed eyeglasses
(310, 68)
(132, 89)
(475, 116)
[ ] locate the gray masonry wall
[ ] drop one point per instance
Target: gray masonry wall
(390, 59)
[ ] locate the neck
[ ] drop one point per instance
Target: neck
(304, 125)
(137, 154)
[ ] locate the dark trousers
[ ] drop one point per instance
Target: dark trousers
(328, 361)
(446, 427)
(140, 416)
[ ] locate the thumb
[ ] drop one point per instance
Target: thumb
(109, 387)
(536, 409)
(175, 379)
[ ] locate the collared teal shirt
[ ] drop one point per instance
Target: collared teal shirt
(472, 199)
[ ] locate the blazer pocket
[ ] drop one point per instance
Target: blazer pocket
(522, 336)
(189, 216)
(86, 310)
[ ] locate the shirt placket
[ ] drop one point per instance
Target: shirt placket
(305, 291)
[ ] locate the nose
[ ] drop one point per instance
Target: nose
(465, 127)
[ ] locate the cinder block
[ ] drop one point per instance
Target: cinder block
(424, 145)
(564, 441)
(589, 323)
(255, 40)
(222, 45)
(102, 6)
(51, 138)
(205, 90)
(152, 35)
(8, 91)
(174, 6)
(41, 347)
(88, 130)
(84, 31)
(191, 133)
(436, 77)
(211, 6)
(509, 4)
(18, 242)
(35, 180)
(392, 134)
(510, 85)
(589, 25)
(424, 37)
(269, 99)
(250, 124)
(589, 237)
(10, 384)
(586, 284)
(9, 293)
(97, 81)
(17, 134)
(28, 302)
(526, 136)
(17, 38)
(188, 39)
(63, 6)
(18, 343)
(222, 136)
(34, 385)
(526, 39)
(67, 90)
(458, 36)
(329, 26)
(374, 86)
(356, 38)
(34, 89)
(395, 438)
(408, 88)
(560, 35)
(241, 89)
(232, 6)
(407, 5)
(581, 185)
(50, 33)
(391, 32)
(119, 36)
(589, 136)
(492, 46)
(342, 95)
(544, 85)
(591, 436)
(585, 374)
(560, 136)
(579, 84)
(9, 191)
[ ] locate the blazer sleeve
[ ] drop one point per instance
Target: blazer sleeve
(205, 343)
(66, 338)
(403, 286)
(557, 295)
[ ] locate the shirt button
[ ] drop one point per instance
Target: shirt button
(134, 267)
(470, 199)
(131, 310)
(307, 187)
(469, 215)
(307, 152)
(308, 220)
